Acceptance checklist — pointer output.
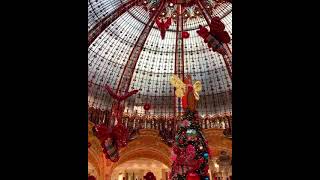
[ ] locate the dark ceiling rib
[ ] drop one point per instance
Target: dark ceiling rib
(179, 56)
(106, 21)
(129, 68)
(226, 58)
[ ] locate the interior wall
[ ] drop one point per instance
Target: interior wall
(150, 147)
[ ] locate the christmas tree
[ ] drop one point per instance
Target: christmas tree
(190, 151)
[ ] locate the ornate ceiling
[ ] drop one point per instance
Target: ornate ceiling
(108, 55)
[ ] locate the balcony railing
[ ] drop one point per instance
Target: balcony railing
(167, 126)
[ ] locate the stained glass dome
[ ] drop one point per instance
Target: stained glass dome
(127, 53)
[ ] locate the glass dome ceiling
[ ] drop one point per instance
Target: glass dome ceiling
(108, 55)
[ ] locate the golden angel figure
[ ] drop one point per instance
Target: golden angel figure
(188, 92)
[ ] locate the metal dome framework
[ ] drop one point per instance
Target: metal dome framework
(126, 52)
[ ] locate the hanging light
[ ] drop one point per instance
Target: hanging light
(145, 2)
(170, 4)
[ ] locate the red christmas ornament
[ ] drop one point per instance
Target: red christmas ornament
(185, 34)
(193, 176)
(147, 106)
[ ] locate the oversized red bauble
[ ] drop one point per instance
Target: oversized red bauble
(147, 106)
(193, 176)
(185, 34)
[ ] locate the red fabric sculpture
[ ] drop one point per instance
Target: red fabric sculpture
(118, 97)
(163, 26)
(117, 109)
(216, 37)
(108, 140)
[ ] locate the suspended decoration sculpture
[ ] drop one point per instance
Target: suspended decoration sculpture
(112, 139)
(117, 110)
(163, 26)
(190, 152)
(216, 37)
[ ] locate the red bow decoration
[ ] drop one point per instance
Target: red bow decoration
(163, 26)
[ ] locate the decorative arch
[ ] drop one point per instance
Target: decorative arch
(147, 145)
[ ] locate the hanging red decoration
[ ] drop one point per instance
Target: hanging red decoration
(185, 34)
(120, 134)
(119, 97)
(223, 37)
(163, 26)
(111, 139)
(216, 36)
(147, 106)
(216, 25)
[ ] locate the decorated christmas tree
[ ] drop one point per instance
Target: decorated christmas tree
(190, 151)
